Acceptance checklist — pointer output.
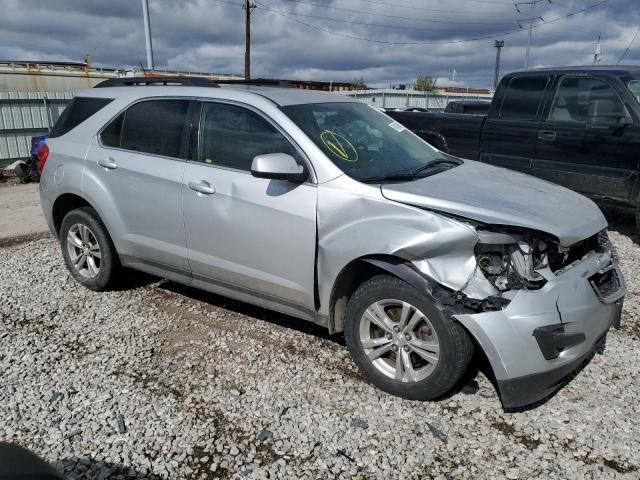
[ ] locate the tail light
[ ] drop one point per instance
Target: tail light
(34, 141)
(42, 153)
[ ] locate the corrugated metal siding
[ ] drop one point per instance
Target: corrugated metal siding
(24, 115)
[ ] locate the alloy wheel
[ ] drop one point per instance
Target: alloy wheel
(399, 340)
(84, 250)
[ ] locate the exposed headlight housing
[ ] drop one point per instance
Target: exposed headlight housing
(512, 261)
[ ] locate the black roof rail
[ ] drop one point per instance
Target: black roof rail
(181, 81)
(263, 82)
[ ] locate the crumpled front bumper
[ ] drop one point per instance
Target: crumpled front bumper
(544, 335)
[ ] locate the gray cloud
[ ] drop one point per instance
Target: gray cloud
(208, 35)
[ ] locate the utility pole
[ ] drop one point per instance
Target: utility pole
(248, 7)
(532, 4)
(498, 44)
(147, 33)
(598, 54)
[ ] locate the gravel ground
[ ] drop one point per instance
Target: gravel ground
(160, 381)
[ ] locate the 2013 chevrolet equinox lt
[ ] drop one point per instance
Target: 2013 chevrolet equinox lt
(316, 206)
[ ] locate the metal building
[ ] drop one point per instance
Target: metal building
(33, 94)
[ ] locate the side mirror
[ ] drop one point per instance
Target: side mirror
(608, 114)
(279, 166)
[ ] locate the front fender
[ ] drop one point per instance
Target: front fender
(355, 221)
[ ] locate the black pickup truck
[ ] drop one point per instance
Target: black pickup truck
(578, 127)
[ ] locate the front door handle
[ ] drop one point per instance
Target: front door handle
(202, 187)
(108, 163)
(547, 135)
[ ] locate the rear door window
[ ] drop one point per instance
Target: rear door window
(77, 112)
(523, 98)
(156, 127)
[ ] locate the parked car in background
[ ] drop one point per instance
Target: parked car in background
(316, 206)
(28, 170)
(385, 109)
(578, 127)
(413, 109)
(470, 107)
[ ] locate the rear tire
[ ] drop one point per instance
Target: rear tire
(403, 343)
(88, 250)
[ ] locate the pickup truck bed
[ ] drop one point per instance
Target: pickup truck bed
(454, 133)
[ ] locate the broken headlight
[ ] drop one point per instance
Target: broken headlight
(512, 261)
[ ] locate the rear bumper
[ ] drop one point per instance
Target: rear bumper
(544, 335)
(46, 204)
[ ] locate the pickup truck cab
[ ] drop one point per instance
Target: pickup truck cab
(578, 127)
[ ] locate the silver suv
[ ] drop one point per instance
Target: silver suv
(316, 206)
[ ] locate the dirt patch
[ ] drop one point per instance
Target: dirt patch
(510, 431)
(13, 241)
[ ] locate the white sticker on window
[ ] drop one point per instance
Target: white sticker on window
(396, 126)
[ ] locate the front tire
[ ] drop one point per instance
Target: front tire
(402, 342)
(88, 250)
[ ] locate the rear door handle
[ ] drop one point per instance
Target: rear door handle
(108, 163)
(202, 187)
(547, 135)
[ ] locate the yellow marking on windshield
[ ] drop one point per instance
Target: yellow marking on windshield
(340, 146)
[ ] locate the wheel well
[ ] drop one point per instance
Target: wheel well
(349, 279)
(63, 205)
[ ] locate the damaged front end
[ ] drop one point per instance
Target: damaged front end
(537, 308)
(506, 261)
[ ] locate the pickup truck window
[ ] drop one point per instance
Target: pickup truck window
(575, 97)
(361, 141)
(634, 88)
(522, 98)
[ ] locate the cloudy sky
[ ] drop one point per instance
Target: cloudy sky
(383, 41)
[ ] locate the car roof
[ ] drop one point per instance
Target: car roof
(616, 70)
(279, 95)
(471, 102)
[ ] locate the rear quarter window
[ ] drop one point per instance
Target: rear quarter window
(77, 112)
(523, 97)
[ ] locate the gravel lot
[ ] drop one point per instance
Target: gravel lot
(161, 381)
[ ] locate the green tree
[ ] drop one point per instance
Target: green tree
(425, 83)
(358, 84)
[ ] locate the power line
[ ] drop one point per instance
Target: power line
(629, 47)
(484, 37)
(411, 7)
(354, 22)
(350, 10)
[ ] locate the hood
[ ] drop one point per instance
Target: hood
(498, 196)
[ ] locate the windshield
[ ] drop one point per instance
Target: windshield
(361, 141)
(634, 88)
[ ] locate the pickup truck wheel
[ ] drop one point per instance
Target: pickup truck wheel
(88, 250)
(402, 343)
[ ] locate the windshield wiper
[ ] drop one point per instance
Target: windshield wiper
(439, 162)
(389, 177)
(417, 173)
